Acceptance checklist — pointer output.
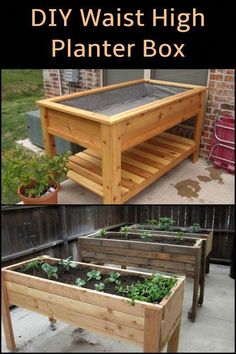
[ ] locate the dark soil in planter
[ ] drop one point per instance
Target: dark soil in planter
(70, 276)
(155, 239)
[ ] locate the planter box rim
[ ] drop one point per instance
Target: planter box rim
(179, 278)
(92, 236)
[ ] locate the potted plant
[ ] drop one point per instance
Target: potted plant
(37, 177)
(139, 307)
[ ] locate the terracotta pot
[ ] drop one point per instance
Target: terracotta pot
(51, 198)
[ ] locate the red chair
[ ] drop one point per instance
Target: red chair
(222, 151)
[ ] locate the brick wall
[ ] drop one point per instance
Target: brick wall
(88, 78)
(220, 96)
(220, 101)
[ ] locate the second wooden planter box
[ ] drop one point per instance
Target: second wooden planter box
(148, 325)
(187, 260)
(206, 235)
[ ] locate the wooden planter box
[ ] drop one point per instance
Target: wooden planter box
(148, 325)
(187, 260)
(123, 128)
(206, 235)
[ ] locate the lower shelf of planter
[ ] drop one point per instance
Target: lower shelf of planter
(140, 166)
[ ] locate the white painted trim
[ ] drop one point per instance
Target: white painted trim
(147, 74)
(102, 77)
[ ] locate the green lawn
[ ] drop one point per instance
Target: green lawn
(20, 90)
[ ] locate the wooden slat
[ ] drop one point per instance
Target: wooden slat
(140, 245)
(139, 164)
(177, 138)
(6, 317)
(160, 151)
(137, 261)
(79, 306)
(85, 172)
(170, 144)
(76, 318)
(152, 331)
(92, 297)
(86, 182)
(140, 253)
(135, 169)
(150, 150)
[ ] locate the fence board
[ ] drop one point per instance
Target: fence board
(33, 227)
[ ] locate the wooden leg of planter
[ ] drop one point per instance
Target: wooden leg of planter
(152, 330)
(6, 319)
(193, 311)
(202, 273)
(48, 139)
(173, 343)
(111, 164)
(208, 263)
(53, 322)
(198, 127)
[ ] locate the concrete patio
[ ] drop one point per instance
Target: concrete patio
(187, 183)
(213, 330)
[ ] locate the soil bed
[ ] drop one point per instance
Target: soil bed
(74, 273)
(155, 239)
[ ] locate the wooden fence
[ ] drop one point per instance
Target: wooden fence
(53, 230)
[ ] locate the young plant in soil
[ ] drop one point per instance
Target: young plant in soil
(179, 236)
(34, 264)
(134, 287)
(146, 235)
(195, 227)
(51, 271)
(100, 287)
(80, 282)
(150, 290)
(94, 274)
(102, 233)
(66, 263)
(125, 230)
(152, 222)
(114, 278)
(165, 223)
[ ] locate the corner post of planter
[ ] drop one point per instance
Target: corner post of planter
(202, 273)
(193, 311)
(198, 125)
(111, 163)
(48, 139)
(173, 343)
(6, 317)
(152, 330)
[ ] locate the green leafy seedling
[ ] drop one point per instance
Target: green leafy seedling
(151, 290)
(102, 233)
(152, 222)
(94, 274)
(34, 264)
(114, 278)
(99, 287)
(66, 263)
(146, 235)
(195, 227)
(179, 236)
(125, 230)
(51, 271)
(80, 282)
(165, 223)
